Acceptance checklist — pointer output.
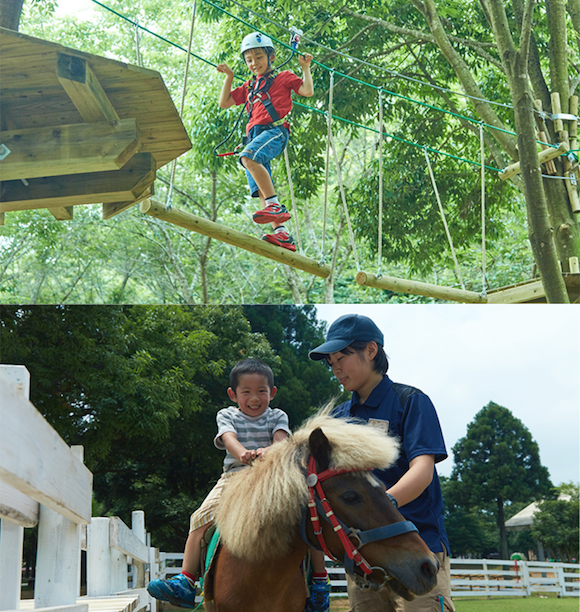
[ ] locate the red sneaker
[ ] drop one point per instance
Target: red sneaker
(282, 239)
(272, 212)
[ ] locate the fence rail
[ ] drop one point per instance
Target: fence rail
(469, 577)
(44, 482)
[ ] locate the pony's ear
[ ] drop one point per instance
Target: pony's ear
(320, 449)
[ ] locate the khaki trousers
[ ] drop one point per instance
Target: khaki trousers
(384, 600)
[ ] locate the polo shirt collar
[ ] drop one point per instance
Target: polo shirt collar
(376, 397)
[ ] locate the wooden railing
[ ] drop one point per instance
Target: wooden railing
(44, 482)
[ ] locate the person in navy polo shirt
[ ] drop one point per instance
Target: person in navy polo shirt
(354, 350)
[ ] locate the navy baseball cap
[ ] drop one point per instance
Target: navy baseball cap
(346, 330)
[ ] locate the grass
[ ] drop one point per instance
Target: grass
(535, 603)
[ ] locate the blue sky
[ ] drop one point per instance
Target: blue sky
(523, 357)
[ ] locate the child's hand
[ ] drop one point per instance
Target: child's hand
(305, 60)
(225, 69)
(248, 456)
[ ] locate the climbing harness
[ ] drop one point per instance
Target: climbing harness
(258, 92)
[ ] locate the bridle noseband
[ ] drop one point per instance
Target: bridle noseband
(317, 502)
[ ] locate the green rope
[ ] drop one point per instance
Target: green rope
(316, 110)
(375, 87)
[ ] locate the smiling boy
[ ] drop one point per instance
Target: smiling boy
(245, 432)
(269, 100)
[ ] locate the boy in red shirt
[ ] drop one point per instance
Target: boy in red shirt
(269, 100)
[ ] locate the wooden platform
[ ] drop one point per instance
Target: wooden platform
(532, 292)
(80, 128)
(112, 603)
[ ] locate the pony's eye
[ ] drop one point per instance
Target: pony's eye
(351, 498)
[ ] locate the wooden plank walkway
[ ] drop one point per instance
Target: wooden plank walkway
(111, 603)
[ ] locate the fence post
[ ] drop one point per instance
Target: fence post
(138, 528)
(11, 540)
(11, 533)
(526, 576)
(58, 562)
(561, 580)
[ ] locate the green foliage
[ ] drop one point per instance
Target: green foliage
(129, 259)
(498, 459)
(139, 388)
(497, 464)
(556, 524)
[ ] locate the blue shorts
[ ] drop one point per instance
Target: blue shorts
(265, 144)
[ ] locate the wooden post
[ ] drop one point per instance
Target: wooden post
(57, 560)
(573, 125)
(557, 110)
(574, 265)
(569, 172)
(543, 156)
(138, 528)
(234, 237)
(543, 136)
(11, 532)
(98, 558)
(418, 288)
(11, 540)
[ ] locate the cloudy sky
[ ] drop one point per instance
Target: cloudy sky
(523, 357)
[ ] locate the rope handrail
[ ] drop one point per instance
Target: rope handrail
(376, 87)
(364, 63)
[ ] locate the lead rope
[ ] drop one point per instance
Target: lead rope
(457, 270)
(380, 245)
(327, 170)
(483, 255)
(168, 202)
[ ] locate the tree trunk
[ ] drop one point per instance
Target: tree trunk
(541, 232)
(504, 554)
(10, 11)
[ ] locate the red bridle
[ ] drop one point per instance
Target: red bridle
(313, 481)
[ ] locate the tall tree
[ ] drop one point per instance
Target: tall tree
(498, 461)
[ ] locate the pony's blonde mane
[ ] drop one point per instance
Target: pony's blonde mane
(261, 507)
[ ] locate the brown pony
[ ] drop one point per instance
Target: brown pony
(258, 568)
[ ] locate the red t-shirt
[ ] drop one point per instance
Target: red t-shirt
(280, 93)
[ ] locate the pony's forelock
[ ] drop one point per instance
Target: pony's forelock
(261, 507)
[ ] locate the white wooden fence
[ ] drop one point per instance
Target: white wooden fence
(44, 482)
(486, 577)
(469, 577)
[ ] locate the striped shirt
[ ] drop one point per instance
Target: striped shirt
(252, 432)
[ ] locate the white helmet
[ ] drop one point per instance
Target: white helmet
(256, 41)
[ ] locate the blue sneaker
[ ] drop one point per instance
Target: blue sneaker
(178, 591)
(319, 600)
